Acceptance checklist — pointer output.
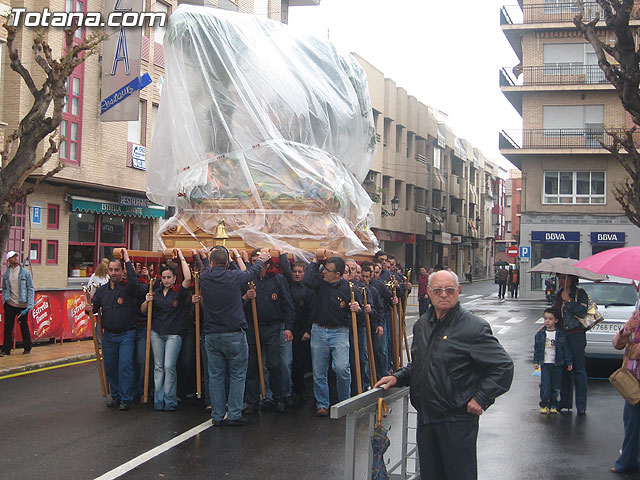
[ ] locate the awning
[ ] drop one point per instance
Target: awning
(92, 205)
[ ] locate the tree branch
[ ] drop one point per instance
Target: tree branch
(16, 65)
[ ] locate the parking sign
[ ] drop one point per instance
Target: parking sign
(525, 253)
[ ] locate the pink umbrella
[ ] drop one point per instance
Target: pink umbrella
(620, 262)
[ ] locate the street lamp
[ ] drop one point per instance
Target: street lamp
(394, 207)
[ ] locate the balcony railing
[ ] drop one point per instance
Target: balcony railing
(421, 158)
(558, 138)
(548, 12)
(556, 74)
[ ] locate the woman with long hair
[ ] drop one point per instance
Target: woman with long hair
(100, 276)
(167, 322)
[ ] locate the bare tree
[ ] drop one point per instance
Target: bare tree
(620, 64)
(37, 124)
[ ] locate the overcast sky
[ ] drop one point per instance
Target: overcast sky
(446, 54)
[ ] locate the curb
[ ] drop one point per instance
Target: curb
(46, 363)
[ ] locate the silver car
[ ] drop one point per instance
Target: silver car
(616, 299)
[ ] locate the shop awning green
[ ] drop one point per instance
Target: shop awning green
(81, 204)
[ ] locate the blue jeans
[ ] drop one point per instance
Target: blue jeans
(628, 459)
(139, 357)
(117, 349)
(228, 354)
(166, 349)
(578, 376)
(330, 346)
(286, 353)
(550, 381)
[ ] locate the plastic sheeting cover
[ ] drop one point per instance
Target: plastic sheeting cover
(268, 129)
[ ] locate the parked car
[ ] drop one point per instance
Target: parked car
(616, 299)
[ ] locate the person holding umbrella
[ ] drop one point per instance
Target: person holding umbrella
(573, 302)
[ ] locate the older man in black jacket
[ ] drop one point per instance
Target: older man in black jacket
(458, 370)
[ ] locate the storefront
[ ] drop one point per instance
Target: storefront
(96, 227)
(601, 241)
(551, 244)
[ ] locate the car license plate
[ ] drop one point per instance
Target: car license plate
(607, 327)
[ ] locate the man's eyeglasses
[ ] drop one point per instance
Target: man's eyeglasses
(438, 291)
(329, 271)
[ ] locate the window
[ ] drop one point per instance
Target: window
(71, 125)
(52, 252)
(53, 216)
(437, 157)
(261, 7)
(409, 144)
(158, 31)
(35, 251)
(387, 132)
(576, 117)
(154, 116)
(137, 129)
(574, 187)
(398, 138)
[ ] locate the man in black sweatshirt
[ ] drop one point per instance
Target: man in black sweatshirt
(330, 331)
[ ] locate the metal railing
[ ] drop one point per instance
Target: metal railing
(560, 12)
(408, 466)
(558, 138)
(556, 74)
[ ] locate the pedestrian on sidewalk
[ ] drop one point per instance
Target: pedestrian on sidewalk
(514, 283)
(552, 354)
(458, 369)
(17, 298)
(503, 275)
(628, 337)
(572, 301)
(118, 303)
(423, 296)
(167, 322)
(469, 273)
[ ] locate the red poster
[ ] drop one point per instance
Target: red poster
(41, 317)
(76, 315)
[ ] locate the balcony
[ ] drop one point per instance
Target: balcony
(547, 12)
(453, 224)
(457, 186)
(514, 143)
(554, 75)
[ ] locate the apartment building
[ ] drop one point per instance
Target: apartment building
(567, 206)
(434, 192)
(98, 202)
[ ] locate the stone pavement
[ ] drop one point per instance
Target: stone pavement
(46, 355)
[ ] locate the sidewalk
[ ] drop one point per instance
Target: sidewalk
(46, 355)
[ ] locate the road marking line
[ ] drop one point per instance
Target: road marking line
(515, 320)
(474, 296)
(540, 320)
(154, 452)
(489, 318)
(502, 330)
(43, 369)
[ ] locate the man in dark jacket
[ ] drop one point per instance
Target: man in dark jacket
(458, 370)
(225, 335)
(330, 332)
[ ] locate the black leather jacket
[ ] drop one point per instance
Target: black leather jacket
(454, 360)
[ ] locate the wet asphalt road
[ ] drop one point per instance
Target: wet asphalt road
(54, 425)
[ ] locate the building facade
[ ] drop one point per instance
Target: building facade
(98, 201)
(567, 205)
(434, 192)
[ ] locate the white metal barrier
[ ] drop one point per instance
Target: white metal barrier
(407, 466)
